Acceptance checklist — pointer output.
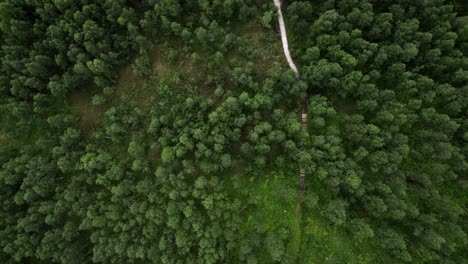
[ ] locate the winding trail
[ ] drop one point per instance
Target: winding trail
(284, 39)
(302, 172)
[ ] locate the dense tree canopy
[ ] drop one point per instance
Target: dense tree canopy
(169, 160)
(398, 157)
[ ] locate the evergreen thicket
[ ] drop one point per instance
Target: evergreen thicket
(395, 157)
(164, 171)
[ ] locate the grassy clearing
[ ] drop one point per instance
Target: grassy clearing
(131, 87)
(323, 242)
(174, 68)
(166, 68)
(318, 241)
(277, 203)
(3, 139)
(297, 226)
(260, 47)
(166, 75)
(91, 116)
(127, 82)
(276, 194)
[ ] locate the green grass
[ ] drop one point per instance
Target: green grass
(141, 91)
(318, 241)
(276, 207)
(266, 48)
(323, 242)
(3, 139)
(90, 115)
(275, 194)
(182, 75)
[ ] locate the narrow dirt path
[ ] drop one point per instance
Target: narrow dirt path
(302, 172)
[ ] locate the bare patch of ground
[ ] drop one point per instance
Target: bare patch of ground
(90, 115)
(3, 138)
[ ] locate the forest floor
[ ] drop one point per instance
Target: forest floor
(91, 116)
(3, 138)
(275, 212)
(323, 242)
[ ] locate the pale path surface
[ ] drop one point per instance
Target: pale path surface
(302, 172)
(284, 38)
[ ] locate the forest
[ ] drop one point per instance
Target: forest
(170, 131)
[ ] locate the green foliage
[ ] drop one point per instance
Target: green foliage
(336, 212)
(192, 155)
(392, 152)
